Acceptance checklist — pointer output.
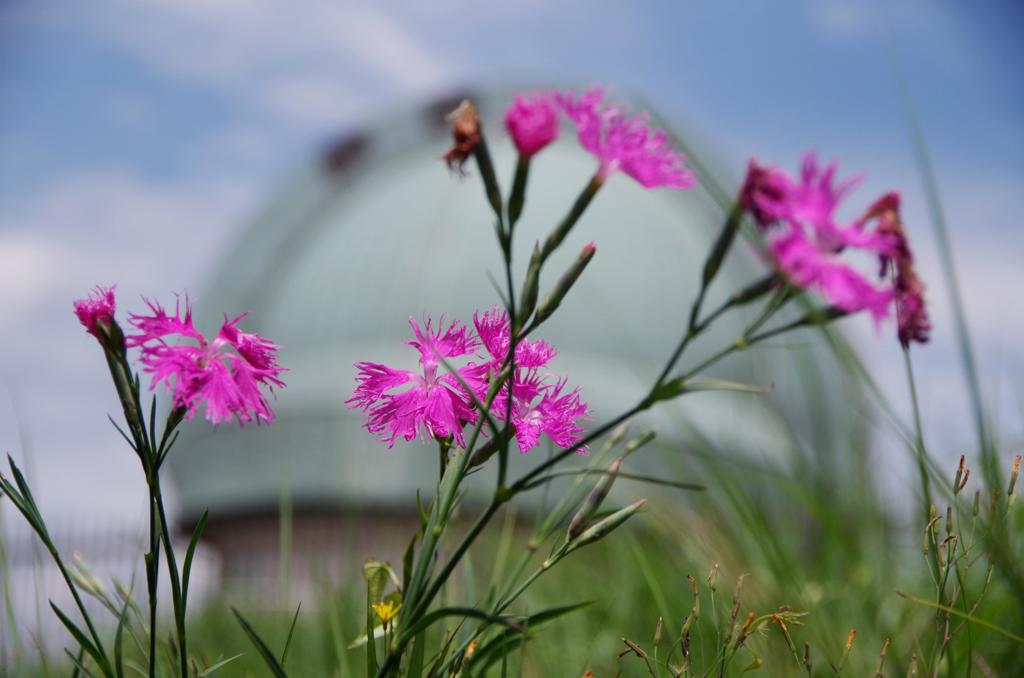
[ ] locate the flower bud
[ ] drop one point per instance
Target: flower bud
(593, 501)
(565, 283)
(96, 313)
(755, 290)
(532, 122)
(601, 528)
(1014, 471)
(638, 442)
(528, 301)
(763, 193)
(722, 245)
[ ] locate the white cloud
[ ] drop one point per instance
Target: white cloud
(317, 65)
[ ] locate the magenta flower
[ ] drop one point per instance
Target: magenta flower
(432, 405)
(808, 250)
(538, 404)
(493, 329)
(808, 263)
(555, 415)
(98, 306)
(911, 314)
(532, 121)
(226, 375)
(623, 143)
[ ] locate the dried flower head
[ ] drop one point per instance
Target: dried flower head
(898, 263)
(764, 193)
(465, 122)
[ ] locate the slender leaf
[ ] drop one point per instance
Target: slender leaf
(962, 615)
(124, 435)
(408, 560)
(417, 655)
(83, 641)
(190, 553)
(208, 671)
(371, 643)
(291, 630)
(465, 612)
(268, 657)
(507, 641)
(137, 669)
(76, 661)
(119, 639)
(679, 485)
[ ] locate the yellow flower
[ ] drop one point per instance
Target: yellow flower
(386, 610)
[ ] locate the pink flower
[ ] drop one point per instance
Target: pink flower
(432, 405)
(538, 405)
(226, 374)
(493, 329)
(808, 250)
(98, 306)
(532, 121)
(555, 415)
(808, 264)
(622, 143)
(911, 314)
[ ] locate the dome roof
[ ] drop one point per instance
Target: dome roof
(377, 230)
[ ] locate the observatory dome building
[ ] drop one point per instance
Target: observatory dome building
(377, 230)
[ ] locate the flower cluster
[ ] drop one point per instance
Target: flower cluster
(406, 404)
(809, 241)
(540, 403)
(619, 142)
(226, 373)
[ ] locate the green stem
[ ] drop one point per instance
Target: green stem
(172, 567)
(521, 484)
(481, 522)
(152, 578)
(922, 454)
(518, 195)
(582, 201)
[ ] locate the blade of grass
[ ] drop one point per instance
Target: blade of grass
(291, 630)
(210, 669)
(963, 615)
(268, 657)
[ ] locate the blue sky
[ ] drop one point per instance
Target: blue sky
(136, 136)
